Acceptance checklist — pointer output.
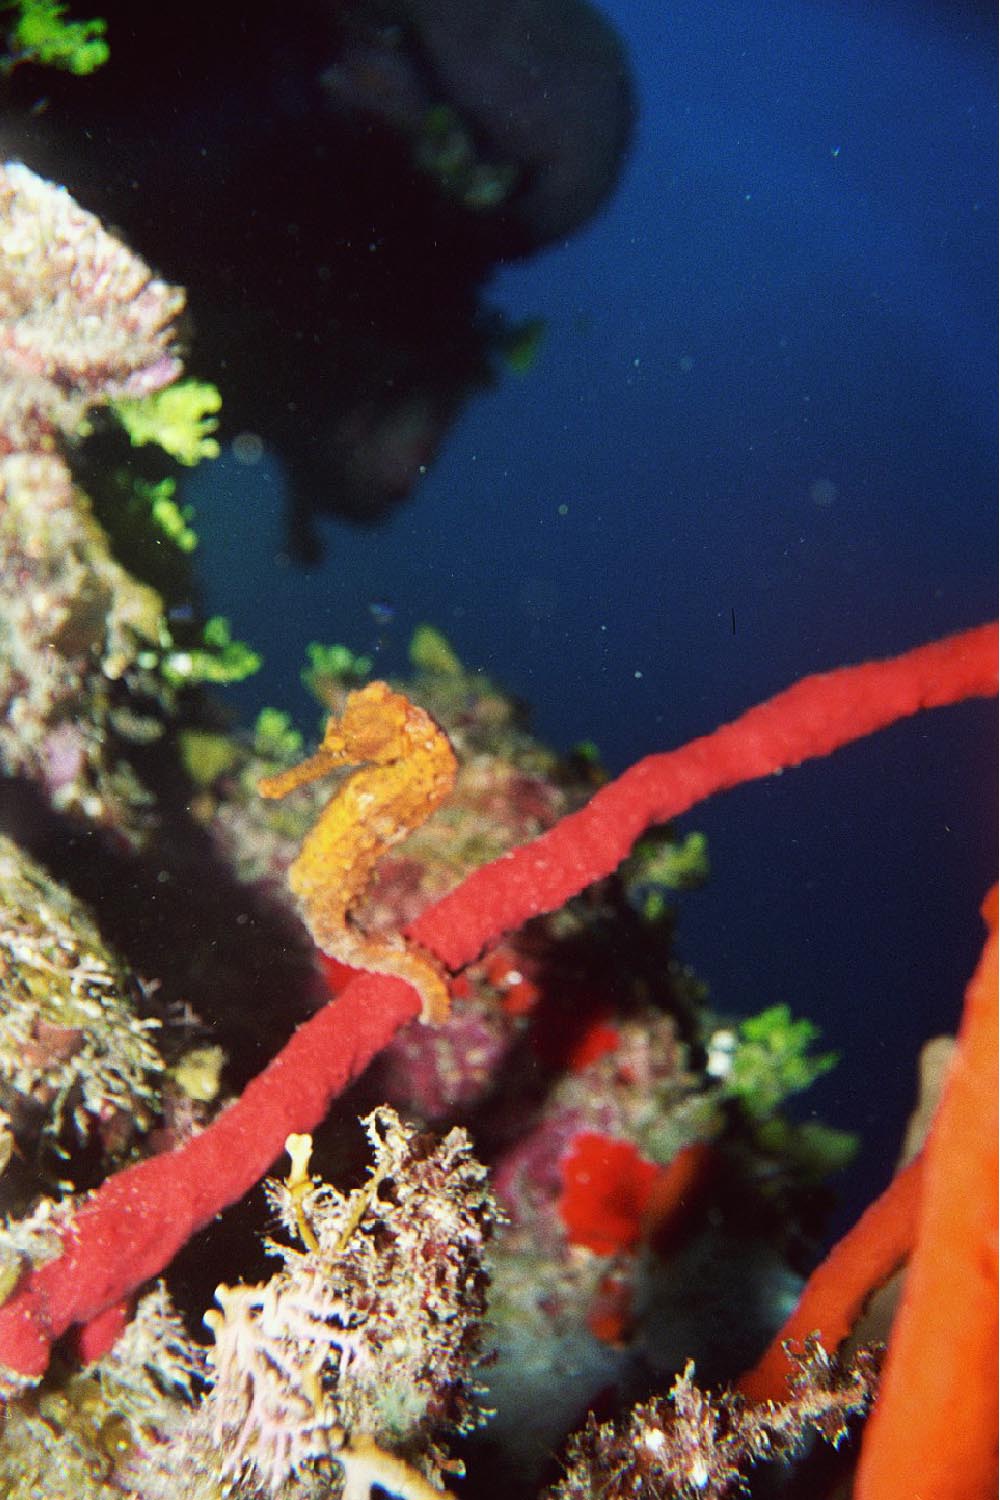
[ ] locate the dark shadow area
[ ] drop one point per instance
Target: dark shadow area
(333, 186)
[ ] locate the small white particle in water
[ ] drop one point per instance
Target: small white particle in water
(721, 1047)
(248, 448)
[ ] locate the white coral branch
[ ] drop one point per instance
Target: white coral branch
(365, 1464)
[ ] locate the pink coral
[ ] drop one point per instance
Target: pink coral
(82, 319)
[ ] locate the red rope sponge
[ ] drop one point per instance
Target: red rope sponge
(811, 718)
(135, 1223)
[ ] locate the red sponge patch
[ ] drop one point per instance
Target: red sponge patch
(606, 1187)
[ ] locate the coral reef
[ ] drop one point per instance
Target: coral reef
(629, 1136)
(73, 628)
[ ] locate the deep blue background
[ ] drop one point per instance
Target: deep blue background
(767, 388)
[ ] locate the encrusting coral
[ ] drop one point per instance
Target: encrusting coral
(348, 1371)
(689, 1444)
(356, 1358)
(114, 1426)
(82, 321)
(76, 1060)
(73, 624)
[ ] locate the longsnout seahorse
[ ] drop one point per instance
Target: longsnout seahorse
(406, 769)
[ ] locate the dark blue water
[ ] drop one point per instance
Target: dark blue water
(766, 396)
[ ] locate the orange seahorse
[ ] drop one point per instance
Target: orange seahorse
(407, 769)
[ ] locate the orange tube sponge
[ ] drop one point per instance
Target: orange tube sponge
(933, 1433)
(837, 1290)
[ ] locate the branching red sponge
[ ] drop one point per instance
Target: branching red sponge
(135, 1223)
